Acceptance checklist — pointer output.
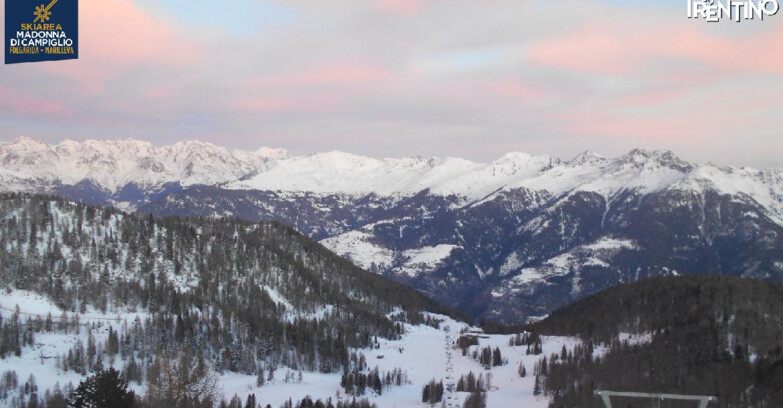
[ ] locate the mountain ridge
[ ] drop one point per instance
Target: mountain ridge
(191, 163)
(508, 240)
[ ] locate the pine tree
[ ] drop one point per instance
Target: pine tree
(497, 359)
(98, 363)
(112, 343)
(271, 375)
(476, 399)
(251, 401)
(48, 324)
(236, 402)
(537, 387)
(106, 389)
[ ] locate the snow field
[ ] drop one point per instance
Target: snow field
(425, 353)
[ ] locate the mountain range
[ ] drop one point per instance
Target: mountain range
(509, 240)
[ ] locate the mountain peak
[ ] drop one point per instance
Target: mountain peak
(337, 155)
(663, 158)
(522, 158)
(26, 143)
(339, 160)
(113, 164)
(587, 157)
(640, 153)
(515, 155)
(272, 153)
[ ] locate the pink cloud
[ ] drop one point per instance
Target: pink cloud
(665, 129)
(117, 35)
(313, 90)
(486, 94)
(689, 77)
(317, 103)
(132, 36)
(686, 127)
(516, 89)
(611, 48)
(590, 51)
(24, 104)
(333, 74)
(401, 7)
(160, 92)
(654, 97)
(761, 53)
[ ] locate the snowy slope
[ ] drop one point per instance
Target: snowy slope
(113, 164)
(359, 248)
(639, 170)
(598, 253)
(764, 187)
(342, 173)
(13, 181)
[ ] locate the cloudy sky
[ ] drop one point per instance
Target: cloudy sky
(469, 78)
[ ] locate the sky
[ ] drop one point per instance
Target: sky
(390, 78)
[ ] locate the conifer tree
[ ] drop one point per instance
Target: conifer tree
(106, 389)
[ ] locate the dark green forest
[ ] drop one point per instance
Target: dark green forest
(701, 335)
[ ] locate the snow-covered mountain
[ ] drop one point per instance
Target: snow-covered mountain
(342, 173)
(509, 239)
(113, 165)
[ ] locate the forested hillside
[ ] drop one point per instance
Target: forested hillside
(238, 296)
(703, 335)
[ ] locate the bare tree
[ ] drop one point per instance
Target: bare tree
(181, 381)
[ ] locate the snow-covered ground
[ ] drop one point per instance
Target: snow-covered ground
(39, 360)
(425, 353)
(357, 246)
(598, 253)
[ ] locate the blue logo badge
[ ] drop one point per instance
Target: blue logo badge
(41, 30)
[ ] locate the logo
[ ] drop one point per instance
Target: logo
(42, 13)
(37, 32)
(735, 10)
